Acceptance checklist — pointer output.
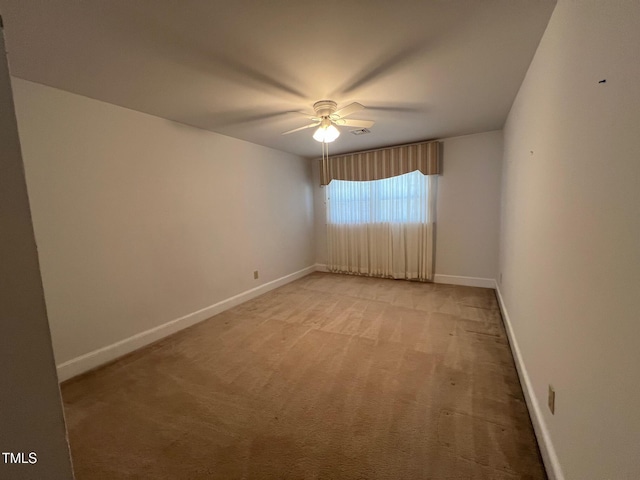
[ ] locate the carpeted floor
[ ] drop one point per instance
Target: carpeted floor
(329, 377)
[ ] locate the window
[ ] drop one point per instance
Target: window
(400, 199)
(383, 227)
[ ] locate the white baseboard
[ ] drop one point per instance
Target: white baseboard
(448, 279)
(466, 281)
(548, 452)
(88, 361)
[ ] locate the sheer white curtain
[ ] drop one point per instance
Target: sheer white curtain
(383, 227)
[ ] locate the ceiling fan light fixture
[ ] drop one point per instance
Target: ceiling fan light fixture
(326, 134)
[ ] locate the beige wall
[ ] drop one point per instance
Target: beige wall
(141, 221)
(570, 240)
(31, 418)
(468, 208)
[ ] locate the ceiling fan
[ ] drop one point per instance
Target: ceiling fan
(327, 118)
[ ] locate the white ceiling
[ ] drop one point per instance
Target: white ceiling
(425, 69)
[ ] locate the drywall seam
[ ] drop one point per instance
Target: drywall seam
(548, 452)
(98, 357)
(465, 281)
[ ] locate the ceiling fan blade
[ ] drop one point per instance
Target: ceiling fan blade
(311, 125)
(354, 123)
(348, 110)
(310, 116)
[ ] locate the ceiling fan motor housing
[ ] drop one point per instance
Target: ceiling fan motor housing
(324, 108)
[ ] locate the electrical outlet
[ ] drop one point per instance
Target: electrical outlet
(255, 275)
(552, 400)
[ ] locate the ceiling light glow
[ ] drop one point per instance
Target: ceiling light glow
(326, 134)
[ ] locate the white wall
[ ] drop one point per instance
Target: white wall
(468, 209)
(468, 206)
(141, 221)
(570, 240)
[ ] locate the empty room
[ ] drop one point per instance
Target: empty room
(320, 240)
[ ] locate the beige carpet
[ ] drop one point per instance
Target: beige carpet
(329, 377)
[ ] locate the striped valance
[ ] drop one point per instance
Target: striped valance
(383, 163)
